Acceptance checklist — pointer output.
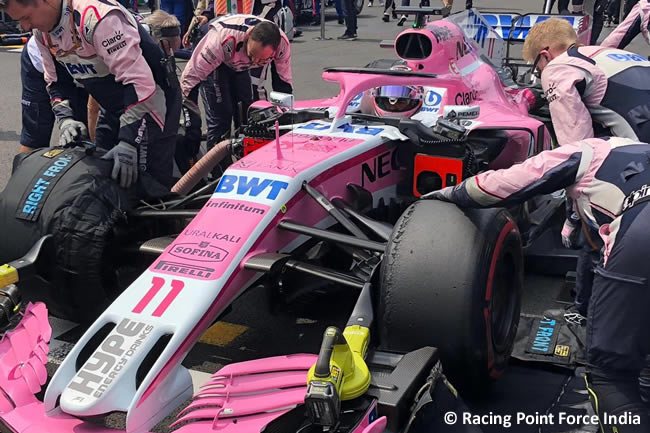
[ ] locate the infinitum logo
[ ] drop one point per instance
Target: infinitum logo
(235, 206)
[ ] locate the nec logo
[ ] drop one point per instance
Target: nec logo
(251, 186)
(80, 68)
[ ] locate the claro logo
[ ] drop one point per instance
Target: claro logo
(105, 365)
(465, 98)
(110, 41)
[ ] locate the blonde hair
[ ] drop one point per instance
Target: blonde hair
(160, 19)
(555, 33)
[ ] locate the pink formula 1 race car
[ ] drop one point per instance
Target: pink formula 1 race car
(329, 194)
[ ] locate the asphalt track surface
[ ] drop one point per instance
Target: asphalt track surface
(253, 329)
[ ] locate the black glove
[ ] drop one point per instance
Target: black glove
(441, 194)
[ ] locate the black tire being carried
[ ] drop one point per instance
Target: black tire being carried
(453, 279)
(69, 194)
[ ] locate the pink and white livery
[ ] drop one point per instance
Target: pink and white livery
(278, 198)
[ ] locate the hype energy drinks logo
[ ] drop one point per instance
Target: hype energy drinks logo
(108, 362)
(34, 198)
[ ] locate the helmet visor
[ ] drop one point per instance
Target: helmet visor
(395, 92)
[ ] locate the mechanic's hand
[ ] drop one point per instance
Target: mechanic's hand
(200, 21)
(569, 233)
(186, 40)
(125, 163)
(536, 98)
(443, 194)
(72, 130)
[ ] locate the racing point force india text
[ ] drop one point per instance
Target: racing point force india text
(561, 418)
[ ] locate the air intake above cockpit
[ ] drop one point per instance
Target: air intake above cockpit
(413, 46)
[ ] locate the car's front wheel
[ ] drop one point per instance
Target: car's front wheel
(453, 279)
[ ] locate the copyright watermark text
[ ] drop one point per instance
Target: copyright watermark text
(520, 418)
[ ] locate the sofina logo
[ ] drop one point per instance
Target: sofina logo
(199, 252)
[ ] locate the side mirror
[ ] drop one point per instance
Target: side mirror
(461, 112)
(280, 99)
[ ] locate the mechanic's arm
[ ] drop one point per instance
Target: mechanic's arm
(207, 56)
(623, 34)
(60, 87)
(203, 13)
(281, 69)
(563, 85)
(545, 173)
(125, 60)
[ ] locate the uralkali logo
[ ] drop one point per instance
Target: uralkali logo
(199, 252)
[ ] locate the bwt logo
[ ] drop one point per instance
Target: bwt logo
(432, 101)
(80, 68)
(627, 57)
(356, 101)
(252, 187)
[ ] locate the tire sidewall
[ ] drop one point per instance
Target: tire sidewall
(502, 243)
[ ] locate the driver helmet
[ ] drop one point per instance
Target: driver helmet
(397, 101)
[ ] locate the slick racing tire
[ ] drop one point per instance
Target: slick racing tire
(452, 279)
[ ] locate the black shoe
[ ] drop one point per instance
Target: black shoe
(570, 314)
(370, 4)
(386, 17)
(348, 37)
(297, 32)
(341, 20)
(401, 21)
(394, 14)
